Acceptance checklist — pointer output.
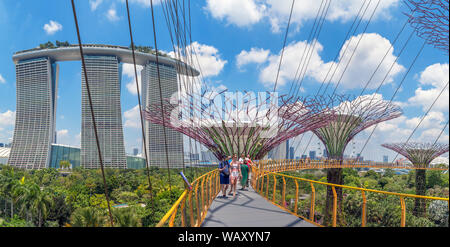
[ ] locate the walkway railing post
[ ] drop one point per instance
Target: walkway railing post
(296, 196)
(284, 193)
(183, 215)
(363, 208)
(334, 206)
(191, 209)
(267, 186)
(313, 202)
(274, 188)
(403, 207)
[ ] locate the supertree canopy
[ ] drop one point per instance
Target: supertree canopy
(352, 117)
(237, 123)
(430, 20)
(348, 118)
(421, 155)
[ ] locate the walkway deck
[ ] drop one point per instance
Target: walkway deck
(249, 209)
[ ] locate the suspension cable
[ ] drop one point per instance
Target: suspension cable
(92, 113)
(140, 108)
(284, 45)
(160, 97)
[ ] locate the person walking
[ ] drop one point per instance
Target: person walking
(224, 170)
(235, 174)
(244, 171)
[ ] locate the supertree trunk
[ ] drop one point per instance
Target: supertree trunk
(334, 176)
(420, 204)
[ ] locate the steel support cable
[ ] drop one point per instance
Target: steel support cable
(396, 91)
(385, 77)
(92, 112)
(310, 51)
(345, 69)
(357, 17)
(160, 96)
(391, 67)
(357, 45)
(442, 131)
(140, 107)
(308, 41)
(346, 44)
(423, 117)
(284, 45)
(168, 14)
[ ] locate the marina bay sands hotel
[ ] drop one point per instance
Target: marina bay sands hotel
(37, 74)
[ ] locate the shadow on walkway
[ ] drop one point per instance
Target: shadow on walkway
(249, 209)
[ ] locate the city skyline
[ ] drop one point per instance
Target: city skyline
(250, 61)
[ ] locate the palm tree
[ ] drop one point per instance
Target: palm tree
(87, 217)
(40, 202)
(125, 217)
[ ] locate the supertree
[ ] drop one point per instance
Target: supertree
(420, 155)
(430, 20)
(349, 118)
(229, 123)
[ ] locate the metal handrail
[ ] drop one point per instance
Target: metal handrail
(266, 169)
(209, 188)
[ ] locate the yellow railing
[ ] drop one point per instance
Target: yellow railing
(285, 165)
(204, 190)
(266, 172)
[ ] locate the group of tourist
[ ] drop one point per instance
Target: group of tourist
(231, 170)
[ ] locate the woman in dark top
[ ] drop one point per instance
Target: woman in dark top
(224, 169)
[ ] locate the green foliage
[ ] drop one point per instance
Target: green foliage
(87, 217)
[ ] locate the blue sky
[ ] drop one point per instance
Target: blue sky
(238, 43)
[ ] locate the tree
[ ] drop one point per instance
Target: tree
(41, 202)
(125, 217)
(87, 217)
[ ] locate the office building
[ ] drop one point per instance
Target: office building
(385, 158)
(312, 155)
(104, 76)
(135, 151)
(36, 86)
(154, 133)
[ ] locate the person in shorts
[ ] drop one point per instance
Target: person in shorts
(224, 170)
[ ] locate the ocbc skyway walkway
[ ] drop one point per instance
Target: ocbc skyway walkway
(249, 209)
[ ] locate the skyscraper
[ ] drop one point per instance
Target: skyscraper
(155, 133)
(36, 82)
(385, 158)
(312, 155)
(135, 151)
(291, 153)
(104, 76)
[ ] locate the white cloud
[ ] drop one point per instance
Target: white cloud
(111, 14)
(94, 4)
(436, 76)
(244, 13)
(2, 80)
(367, 57)
(238, 12)
(132, 118)
(255, 55)
(209, 62)
(128, 71)
(7, 118)
(52, 27)
(62, 133)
